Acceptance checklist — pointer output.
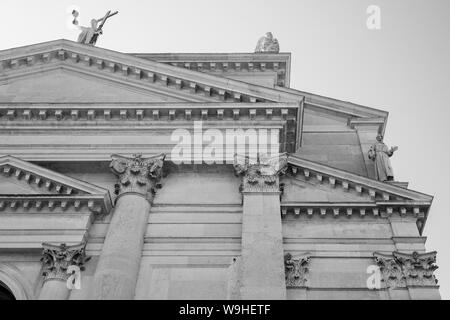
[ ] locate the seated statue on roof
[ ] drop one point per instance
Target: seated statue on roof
(268, 44)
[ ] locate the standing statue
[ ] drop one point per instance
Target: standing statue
(268, 44)
(380, 153)
(89, 35)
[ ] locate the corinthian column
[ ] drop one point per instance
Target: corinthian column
(59, 264)
(118, 266)
(262, 262)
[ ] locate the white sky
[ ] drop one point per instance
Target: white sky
(404, 68)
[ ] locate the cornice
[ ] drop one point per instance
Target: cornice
(151, 74)
(386, 199)
(49, 179)
(350, 209)
(312, 100)
(350, 181)
(34, 113)
(66, 192)
(228, 63)
(96, 204)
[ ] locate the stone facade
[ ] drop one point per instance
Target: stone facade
(93, 204)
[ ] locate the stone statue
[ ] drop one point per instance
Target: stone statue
(380, 153)
(268, 44)
(89, 35)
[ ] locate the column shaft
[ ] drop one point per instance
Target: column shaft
(118, 267)
(54, 289)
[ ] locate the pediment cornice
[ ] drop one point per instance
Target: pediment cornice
(59, 190)
(377, 190)
(384, 199)
(197, 86)
(228, 64)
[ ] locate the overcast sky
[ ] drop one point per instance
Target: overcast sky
(403, 68)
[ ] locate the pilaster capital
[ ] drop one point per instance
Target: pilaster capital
(401, 270)
(261, 174)
(418, 268)
(137, 174)
(296, 269)
(391, 270)
(57, 259)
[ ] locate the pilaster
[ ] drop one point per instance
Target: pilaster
(262, 261)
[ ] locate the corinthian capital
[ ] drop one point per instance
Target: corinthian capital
(400, 270)
(296, 270)
(56, 260)
(391, 270)
(137, 174)
(418, 268)
(261, 175)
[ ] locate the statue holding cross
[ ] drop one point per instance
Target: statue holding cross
(89, 35)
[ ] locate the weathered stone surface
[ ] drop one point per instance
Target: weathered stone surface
(68, 107)
(117, 270)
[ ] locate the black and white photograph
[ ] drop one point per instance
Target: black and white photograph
(228, 156)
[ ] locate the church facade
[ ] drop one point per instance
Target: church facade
(196, 176)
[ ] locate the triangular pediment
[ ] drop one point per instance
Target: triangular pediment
(316, 188)
(56, 183)
(23, 184)
(311, 190)
(64, 85)
(313, 172)
(134, 72)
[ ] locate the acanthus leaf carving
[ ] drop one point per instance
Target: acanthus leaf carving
(418, 268)
(391, 270)
(137, 174)
(261, 174)
(57, 259)
(401, 270)
(296, 269)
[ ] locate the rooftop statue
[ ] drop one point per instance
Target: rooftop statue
(268, 44)
(89, 35)
(380, 153)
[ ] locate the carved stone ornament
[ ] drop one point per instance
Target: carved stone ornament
(267, 44)
(418, 268)
(400, 270)
(296, 270)
(391, 270)
(137, 174)
(57, 259)
(262, 174)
